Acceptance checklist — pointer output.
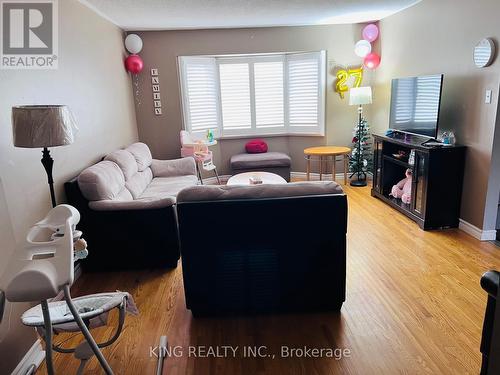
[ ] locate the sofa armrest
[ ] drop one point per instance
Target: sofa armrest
(138, 204)
(175, 167)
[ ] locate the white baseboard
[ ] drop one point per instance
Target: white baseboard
(34, 356)
(301, 175)
(481, 235)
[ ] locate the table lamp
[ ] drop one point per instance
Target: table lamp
(359, 96)
(43, 126)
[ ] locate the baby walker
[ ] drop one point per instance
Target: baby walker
(40, 269)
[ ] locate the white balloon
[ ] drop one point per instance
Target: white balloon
(133, 43)
(362, 48)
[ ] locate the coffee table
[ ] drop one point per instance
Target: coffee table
(266, 177)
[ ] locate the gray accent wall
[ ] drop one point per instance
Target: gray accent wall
(92, 81)
(161, 49)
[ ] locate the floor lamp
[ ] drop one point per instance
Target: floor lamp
(359, 96)
(43, 126)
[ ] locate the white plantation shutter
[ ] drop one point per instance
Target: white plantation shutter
(427, 103)
(306, 92)
(235, 97)
(200, 94)
(403, 111)
(254, 95)
(269, 95)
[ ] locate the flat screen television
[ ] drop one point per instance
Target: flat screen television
(415, 105)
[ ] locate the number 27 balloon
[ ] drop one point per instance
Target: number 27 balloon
(343, 76)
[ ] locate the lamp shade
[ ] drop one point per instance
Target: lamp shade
(360, 96)
(35, 126)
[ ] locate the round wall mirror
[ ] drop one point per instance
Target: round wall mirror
(484, 53)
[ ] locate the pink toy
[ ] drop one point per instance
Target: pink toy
(403, 188)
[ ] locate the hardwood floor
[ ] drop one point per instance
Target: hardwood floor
(414, 306)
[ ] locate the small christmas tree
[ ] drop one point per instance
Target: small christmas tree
(360, 162)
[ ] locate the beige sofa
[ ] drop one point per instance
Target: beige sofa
(132, 179)
(127, 205)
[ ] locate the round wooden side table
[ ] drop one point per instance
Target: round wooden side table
(323, 153)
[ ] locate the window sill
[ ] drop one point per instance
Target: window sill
(270, 135)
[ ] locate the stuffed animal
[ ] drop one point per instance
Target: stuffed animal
(403, 188)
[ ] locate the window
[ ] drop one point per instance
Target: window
(254, 94)
(201, 108)
(235, 96)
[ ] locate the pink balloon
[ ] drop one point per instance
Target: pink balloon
(370, 32)
(372, 61)
(134, 64)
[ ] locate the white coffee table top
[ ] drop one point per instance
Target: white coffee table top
(266, 177)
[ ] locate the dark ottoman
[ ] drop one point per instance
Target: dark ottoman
(273, 162)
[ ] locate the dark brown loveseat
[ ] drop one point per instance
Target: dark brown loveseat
(268, 248)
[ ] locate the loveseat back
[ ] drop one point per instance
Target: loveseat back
(252, 249)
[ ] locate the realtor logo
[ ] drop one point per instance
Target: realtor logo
(28, 34)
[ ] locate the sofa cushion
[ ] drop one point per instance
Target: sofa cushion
(142, 155)
(175, 167)
(137, 204)
(162, 187)
(264, 160)
(104, 180)
(294, 189)
(139, 182)
(126, 162)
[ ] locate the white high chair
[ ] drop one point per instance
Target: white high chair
(201, 154)
(42, 267)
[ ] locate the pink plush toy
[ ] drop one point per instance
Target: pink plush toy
(403, 188)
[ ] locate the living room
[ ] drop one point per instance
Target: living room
(188, 133)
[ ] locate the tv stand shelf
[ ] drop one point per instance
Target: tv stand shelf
(436, 183)
(397, 161)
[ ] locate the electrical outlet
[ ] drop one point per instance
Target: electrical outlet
(487, 98)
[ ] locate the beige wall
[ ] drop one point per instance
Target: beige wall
(91, 80)
(161, 49)
(438, 37)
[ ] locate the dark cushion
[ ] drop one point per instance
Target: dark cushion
(264, 160)
(256, 146)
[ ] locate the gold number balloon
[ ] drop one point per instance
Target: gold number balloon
(344, 75)
(358, 76)
(341, 87)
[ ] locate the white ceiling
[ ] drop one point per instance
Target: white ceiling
(205, 14)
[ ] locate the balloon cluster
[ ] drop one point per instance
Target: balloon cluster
(133, 44)
(363, 48)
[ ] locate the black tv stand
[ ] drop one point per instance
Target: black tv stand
(436, 183)
(409, 138)
(437, 142)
